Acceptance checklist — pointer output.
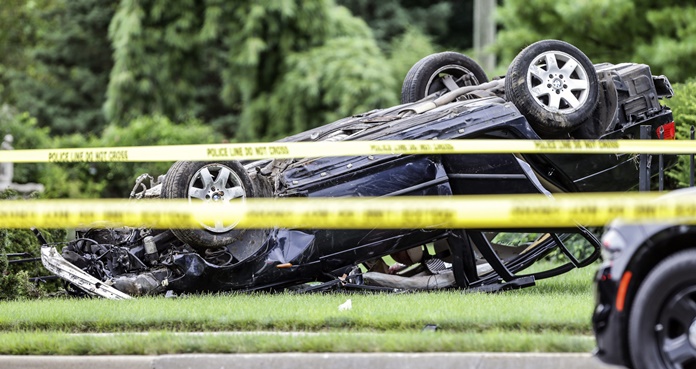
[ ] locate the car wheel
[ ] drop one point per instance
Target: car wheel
(208, 182)
(554, 85)
(435, 72)
(662, 323)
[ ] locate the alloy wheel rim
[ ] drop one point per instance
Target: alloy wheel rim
(216, 184)
(558, 82)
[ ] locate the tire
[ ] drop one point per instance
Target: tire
(663, 318)
(186, 175)
(554, 85)
(425, 77)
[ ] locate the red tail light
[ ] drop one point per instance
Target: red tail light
(668, 131)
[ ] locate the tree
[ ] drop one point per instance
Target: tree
(64, 82)
(236, 65)
(225, 61)
(448, 22)
(658, 33)
(21, 26)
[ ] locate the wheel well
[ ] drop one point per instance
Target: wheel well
(652, 252)
(649, 254)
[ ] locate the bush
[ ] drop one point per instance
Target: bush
(683, 106)
(95, 180)
(14, 278)
(115, 180)
(27, 135)
(77, 180)
(59, 179)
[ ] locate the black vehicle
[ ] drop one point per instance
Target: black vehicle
(551, 90)
(645, 315)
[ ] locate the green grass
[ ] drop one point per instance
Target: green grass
(553, 316)
(450, 310)
(157, 343)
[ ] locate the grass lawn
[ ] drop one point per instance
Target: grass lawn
(553, 316)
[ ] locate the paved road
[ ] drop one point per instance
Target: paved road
(302, 361)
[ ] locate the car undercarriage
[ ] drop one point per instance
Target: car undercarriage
(551, 91)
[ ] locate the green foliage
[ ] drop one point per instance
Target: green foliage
(406, 51)
(14, 278)
(658, 33)
(515, 239)
(209, 61)
(4, 243)
(448, 22)
(17, 286)
(65, 82)
(584, 24)
(387, 19)
(161, 64)
(27, 135)
(322, 85)
(116, 179)
(683, 106)
(59, 179)
(105, 180)
(672, 49)
(577, 245)
(328, 82)
(245, 67)
(240, 66)
(22, 27)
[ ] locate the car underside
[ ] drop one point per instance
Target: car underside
(444, 97)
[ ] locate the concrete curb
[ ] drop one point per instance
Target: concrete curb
(314, 360)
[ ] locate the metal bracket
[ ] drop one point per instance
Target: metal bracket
(521, 282)
(449, 82)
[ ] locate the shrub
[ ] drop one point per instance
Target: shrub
(115, 180)
(14, 278)
(27, 135)
(77, 180)
(94, 180)
(683, 106)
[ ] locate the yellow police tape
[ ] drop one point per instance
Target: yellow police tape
(281, 150)
(489, 211)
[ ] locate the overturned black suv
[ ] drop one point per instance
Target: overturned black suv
(551, 90)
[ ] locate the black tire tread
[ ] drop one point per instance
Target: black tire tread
(546, 123)
(676, 270)
(413, 88)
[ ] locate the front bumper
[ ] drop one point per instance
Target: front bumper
(609, 325)
(55, 263)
